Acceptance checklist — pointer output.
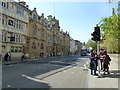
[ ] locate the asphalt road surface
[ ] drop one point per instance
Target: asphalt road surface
(61, 72)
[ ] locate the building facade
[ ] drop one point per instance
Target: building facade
(72, 46)
(14, 21)
(61, 40)
(75, 46)
(24, 31)
(78, 46)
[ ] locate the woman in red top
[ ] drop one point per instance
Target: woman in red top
(105, 63)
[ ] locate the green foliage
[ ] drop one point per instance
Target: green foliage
(110, 31)
(91, 44)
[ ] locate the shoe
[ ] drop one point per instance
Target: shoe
(108, 72)
(95, 74)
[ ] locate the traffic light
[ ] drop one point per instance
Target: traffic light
(96, 34)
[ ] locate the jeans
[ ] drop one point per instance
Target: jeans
(105, 66)
(101, 64)
(94, 67)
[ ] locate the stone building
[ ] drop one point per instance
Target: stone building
(61, 40)
(67, 43)
(72, 46)
(78, 46)
(30, 33)
(14, 19)
(37, 35)
(44, 37)
(75, 46)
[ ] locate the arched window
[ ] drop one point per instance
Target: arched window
(42, 47)
(33, 45)
(34, 29)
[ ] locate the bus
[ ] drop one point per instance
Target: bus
(84, 52)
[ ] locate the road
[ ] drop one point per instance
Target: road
(61, 72)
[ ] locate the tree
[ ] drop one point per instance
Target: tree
(110, 31)
(91, 44)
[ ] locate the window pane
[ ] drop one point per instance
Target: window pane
(12, 49)
(20, 49)
(16, 49)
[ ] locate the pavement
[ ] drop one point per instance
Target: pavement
(106, 81)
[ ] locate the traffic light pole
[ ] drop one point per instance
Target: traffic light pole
(96, 37)
(98, 48)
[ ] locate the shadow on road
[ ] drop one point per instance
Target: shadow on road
(26, 82)
(113, 74)
(36, 68)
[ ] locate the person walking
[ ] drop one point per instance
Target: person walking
(93, 62)
(9, 56)
(6, 57)
(26, 56)
(22, 56)
(106, 63)
(1, 54)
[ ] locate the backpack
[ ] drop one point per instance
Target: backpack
(108, 58)
(6, 55)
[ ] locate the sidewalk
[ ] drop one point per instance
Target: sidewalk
(106, 81)
(15, 61)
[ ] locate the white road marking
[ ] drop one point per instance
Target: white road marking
(72, 72)
(64, 71)
(34, 79)
(8, 85)
(52, 72)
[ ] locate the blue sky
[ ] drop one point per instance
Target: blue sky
(78, 18)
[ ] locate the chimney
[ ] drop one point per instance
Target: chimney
(34, 8)
(42, 14)
(54, 17)
(27, 6)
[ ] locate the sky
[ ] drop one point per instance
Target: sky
(77, 18)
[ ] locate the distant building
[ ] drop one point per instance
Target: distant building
(72, 46)
(78, 46)
(75, 46)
